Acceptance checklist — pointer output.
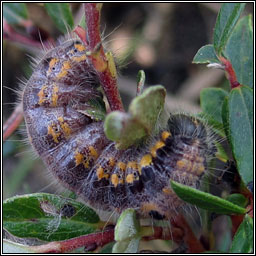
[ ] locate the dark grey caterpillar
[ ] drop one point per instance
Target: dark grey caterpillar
(75, 149)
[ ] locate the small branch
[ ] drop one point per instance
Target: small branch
(236, 221)
(13, 122)
(230, 73)
(103, 63)
(92, 14)
(97, 239)
(100, 239)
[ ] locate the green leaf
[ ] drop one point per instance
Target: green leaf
(61, 15)
(11, 247)
(127, 233)
(15, 13)
(127, 246)
(239, 50)
(48, 217)
(148, 106)
(238, 199)
(206, 54)
(243, 239)
(127, 129)
(107, 248)
(240, 130)
(127, 226)
(205, 200)
(211, 100)
(226, 21)
(95, 109)
(123, 129)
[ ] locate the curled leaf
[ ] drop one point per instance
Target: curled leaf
(127, 129)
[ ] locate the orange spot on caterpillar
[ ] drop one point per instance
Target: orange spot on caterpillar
(112, 161)
(55, 96)
(165, 135)
(147, 207)
(86, 164)
(86, 158)
(64, 127)
(79, 59)
(184, 164)
(167, 191)
(64, 69)
(78, 158)
(101, 174)
(122, 166)
(53, 133)
(93, 152)
(146, 160)
(80, 47)
(132, 165)
(158, 145)
(114, 179)
(52, 63)
(129, 178)
(41, 95)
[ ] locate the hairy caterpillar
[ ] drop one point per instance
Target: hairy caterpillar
(75, 149)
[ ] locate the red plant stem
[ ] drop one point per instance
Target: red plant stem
(92, 14)
(99, 60)
(230, 72)
(100, 239)
(193, 244)
(13, 122)
(250, 207)
(236, 221)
